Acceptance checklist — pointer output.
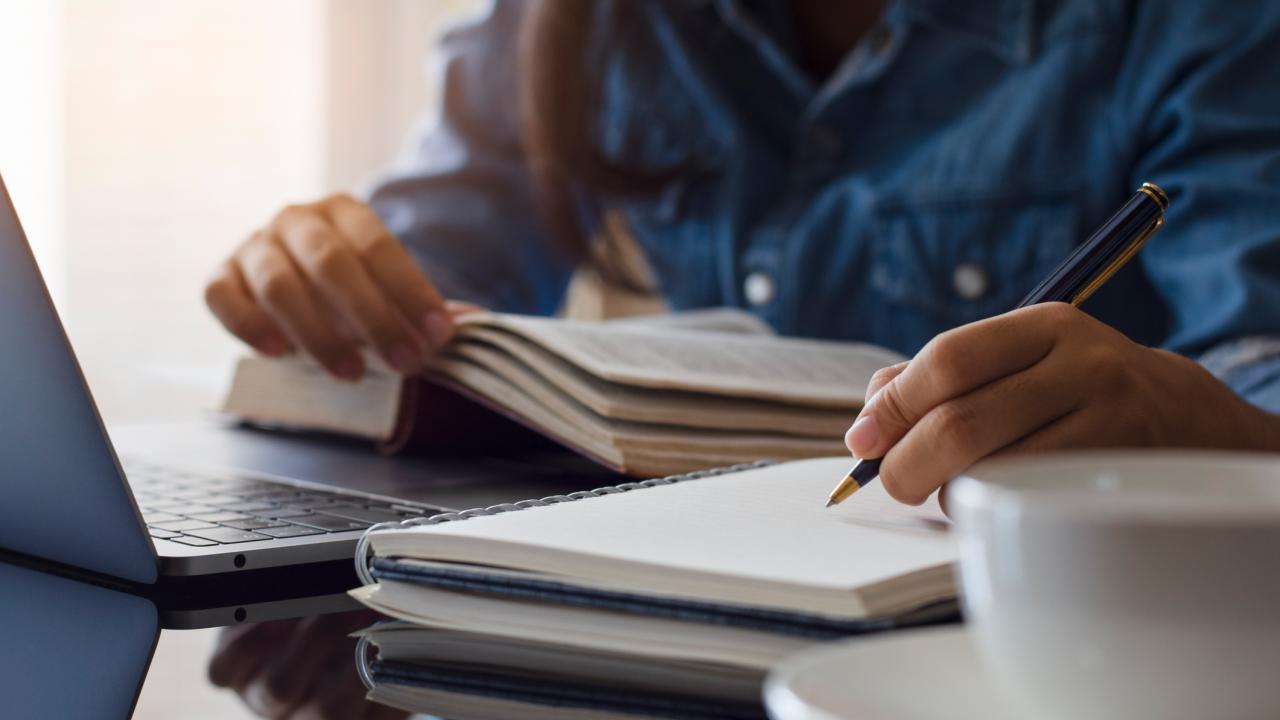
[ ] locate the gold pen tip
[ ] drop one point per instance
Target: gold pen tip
(847, 487)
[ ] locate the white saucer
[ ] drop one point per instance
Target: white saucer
(900, 676)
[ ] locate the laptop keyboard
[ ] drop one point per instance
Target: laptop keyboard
(203, 510)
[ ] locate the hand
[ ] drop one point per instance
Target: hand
(326, 277)
(296, 669)
(1046, 377)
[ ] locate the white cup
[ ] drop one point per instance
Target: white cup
(1126, 584)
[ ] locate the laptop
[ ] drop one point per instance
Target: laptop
(216, 547)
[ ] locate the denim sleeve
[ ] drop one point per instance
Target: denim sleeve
(462, 199)
(1251, 366)
(1200, 106)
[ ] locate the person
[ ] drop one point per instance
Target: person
(899, 172)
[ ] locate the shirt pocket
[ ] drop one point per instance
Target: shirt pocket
(938, 264)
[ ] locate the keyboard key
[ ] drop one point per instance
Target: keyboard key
(328, 523)
(220, 516)
(289, 531)
(155, 516)
(253, 523)
(183, 525)
(287, 511)
(279, 496)
(353, 512)
(256, 494)
(193, 541)
(228, 535)
(219, 500)
(188, 493)
(247, 506)
(190, 509)
(162, 534)
(315, 498)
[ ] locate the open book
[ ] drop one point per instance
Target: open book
(644, 397)
(736, 569)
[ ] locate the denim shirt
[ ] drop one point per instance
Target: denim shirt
(951, 161)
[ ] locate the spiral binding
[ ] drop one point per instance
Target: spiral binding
(362, 661)
(362, 556)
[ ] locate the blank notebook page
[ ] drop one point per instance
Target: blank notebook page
(767, 524)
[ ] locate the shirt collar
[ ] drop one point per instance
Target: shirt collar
(1003, 27)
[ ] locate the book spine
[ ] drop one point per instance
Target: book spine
(364, 556)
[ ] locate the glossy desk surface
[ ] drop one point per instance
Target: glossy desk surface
(76, 649)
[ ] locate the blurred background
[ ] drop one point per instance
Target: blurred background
(141, 140)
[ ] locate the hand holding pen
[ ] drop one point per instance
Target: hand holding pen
(1044, 377)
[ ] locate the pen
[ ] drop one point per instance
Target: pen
(1083, 272)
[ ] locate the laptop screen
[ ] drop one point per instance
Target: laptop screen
(62, 494)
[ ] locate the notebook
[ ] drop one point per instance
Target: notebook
(738, 567)
(643, 397)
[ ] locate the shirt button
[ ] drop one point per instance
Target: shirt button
(758, 288)
(970, 281)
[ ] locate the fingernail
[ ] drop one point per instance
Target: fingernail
(863, 437)
(349, 368)
(255, 696)
(405, 360)
(438, 326)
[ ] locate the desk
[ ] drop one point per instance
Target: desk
(80, 651)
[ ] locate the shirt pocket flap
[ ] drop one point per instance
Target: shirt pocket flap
(937, 264)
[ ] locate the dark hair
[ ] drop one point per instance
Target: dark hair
(559, 103)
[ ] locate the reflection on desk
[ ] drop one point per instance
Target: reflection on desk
(465, 676)
(71, 650)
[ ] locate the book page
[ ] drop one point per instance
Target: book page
(295, 392)
(639, 449)
(813, 372)
(499, 350)
(722, 319)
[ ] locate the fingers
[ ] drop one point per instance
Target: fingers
(308, 672)
(391, 268)
(882, 378)
(288, 678)
(287, 298)
(243, 649)
(958, 432)
(228, 297)
(334, 270)
(952, 364)
(328, 277)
